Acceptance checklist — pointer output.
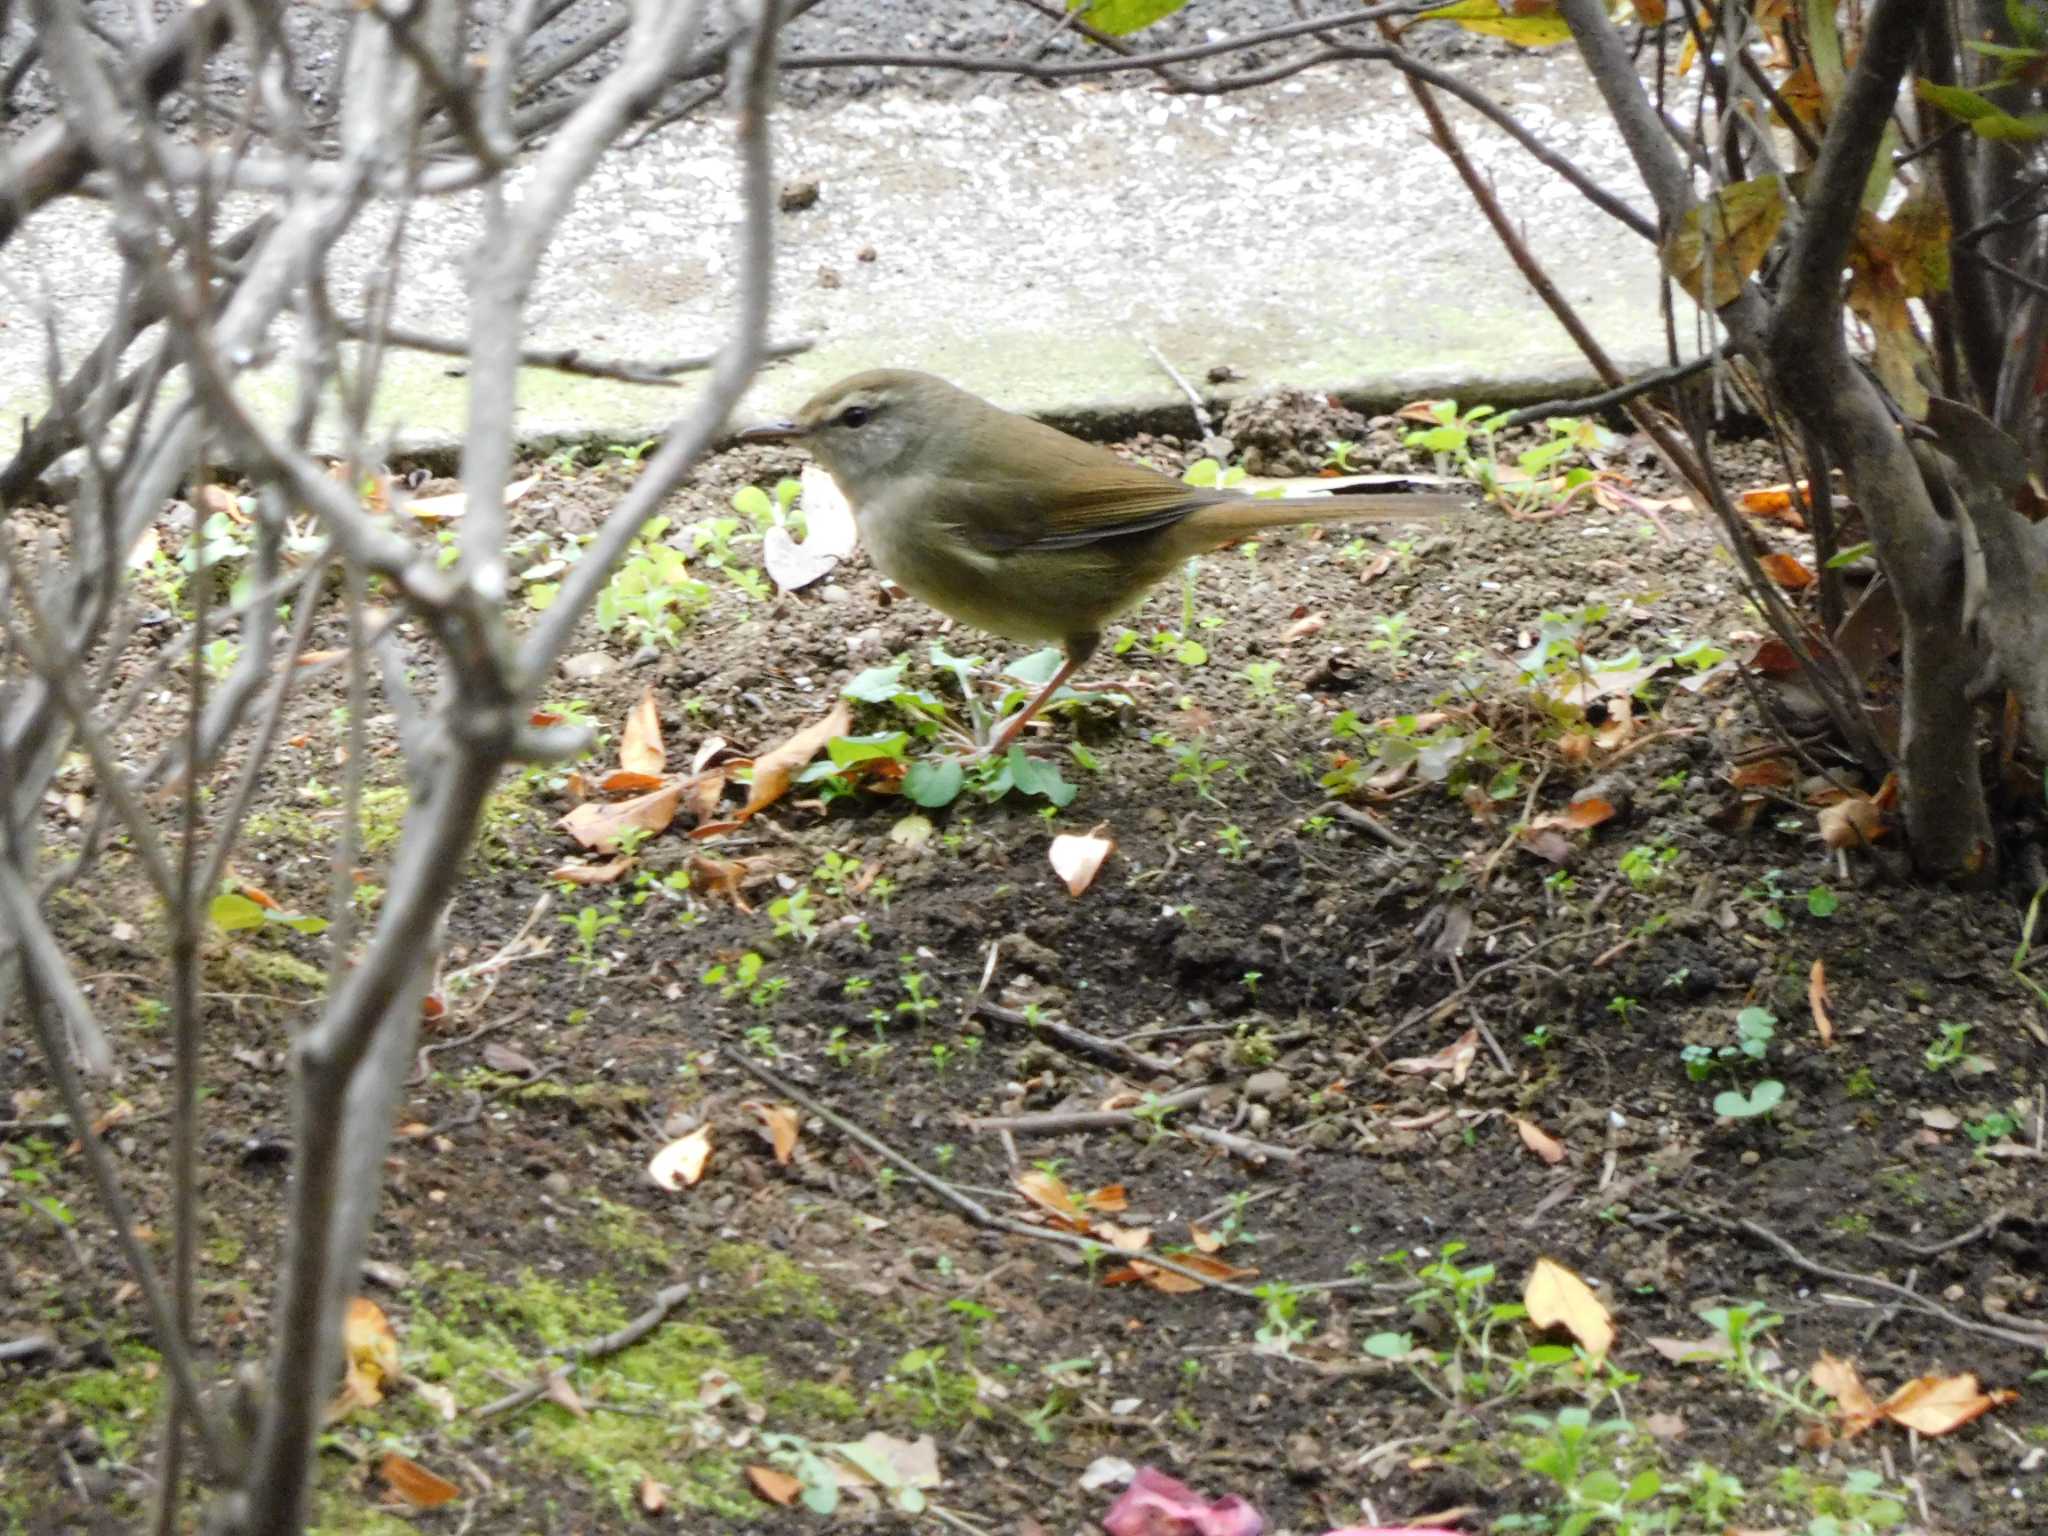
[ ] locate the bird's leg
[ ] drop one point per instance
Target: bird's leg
(1079, 648)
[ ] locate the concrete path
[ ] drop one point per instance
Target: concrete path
(1029, 244)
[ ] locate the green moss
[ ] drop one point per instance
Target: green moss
(1861, 1085)
(287, 824)
(244, 963)
(118, 1403)
(383, 817)
(470, 1334)
(626, 1232)
(771, 1284)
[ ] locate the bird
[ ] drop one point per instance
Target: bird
(1017, 528)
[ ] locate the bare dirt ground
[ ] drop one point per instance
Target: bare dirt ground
(1399, 1009)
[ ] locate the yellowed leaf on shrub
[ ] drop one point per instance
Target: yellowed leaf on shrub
(681, 1162)
(783, 1125)
(774, 768)
(1729, 234)
(414, 1483)
(640, 748)
(1525, 23)
(1557, 1298)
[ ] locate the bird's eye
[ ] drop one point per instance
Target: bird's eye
(855, 416)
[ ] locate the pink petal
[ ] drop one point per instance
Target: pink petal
(1158, 1505)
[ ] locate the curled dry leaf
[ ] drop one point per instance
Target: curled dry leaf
(599, 825)
(1928, 1405)
(781, 1123)
(1850, 823)
(1776, 503)
(1308, 624)
(1557, 1298)
(563, 1395)
(773, 1484)
(1455, 1058)
(653, 1496)
(1765, 773)
(414, 1483)
(774, 768)
(1540, 1141)
(1050, 1194)
(1817, 1000)
(622, 781)
(370, 1353)
(1787, 571)
(1077, 858)
(720, 877)
(681, 1162)
(591, 874)
(1939, 1405)
(1171, 1283)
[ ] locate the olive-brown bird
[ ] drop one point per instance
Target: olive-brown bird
(1015, 527)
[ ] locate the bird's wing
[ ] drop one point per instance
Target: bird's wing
(1080, 494)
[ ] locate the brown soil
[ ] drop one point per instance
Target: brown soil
(1284, 977)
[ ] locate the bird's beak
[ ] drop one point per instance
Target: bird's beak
(772, 432)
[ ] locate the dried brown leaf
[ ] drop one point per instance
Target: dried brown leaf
(1077, 858)
(600, 824)
(1557, 1298)
(1817, 1000)
(681, 1162)
(774, 1484)
(1540, 1141)
(640, 745)
(783, 1125)
(414, 1483)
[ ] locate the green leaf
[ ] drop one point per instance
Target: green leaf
(1851, 555)
(1389, 1346)
(1190, 653)
(1761, 1100)
(1121, 17)
(877, 685)
(844, 750)
(2009, 129)
(1038, 668)
(1033, 777)
(932, 783)
(1956, 101)
(754, 502)
(1533, 29)
(233, 911)
(1822, 902)
(1203, 472)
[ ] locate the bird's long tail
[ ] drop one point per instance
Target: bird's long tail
(1224, 520)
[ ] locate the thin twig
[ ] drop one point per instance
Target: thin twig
(665, 1301)
(969, 1207)
(1079, 1039)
